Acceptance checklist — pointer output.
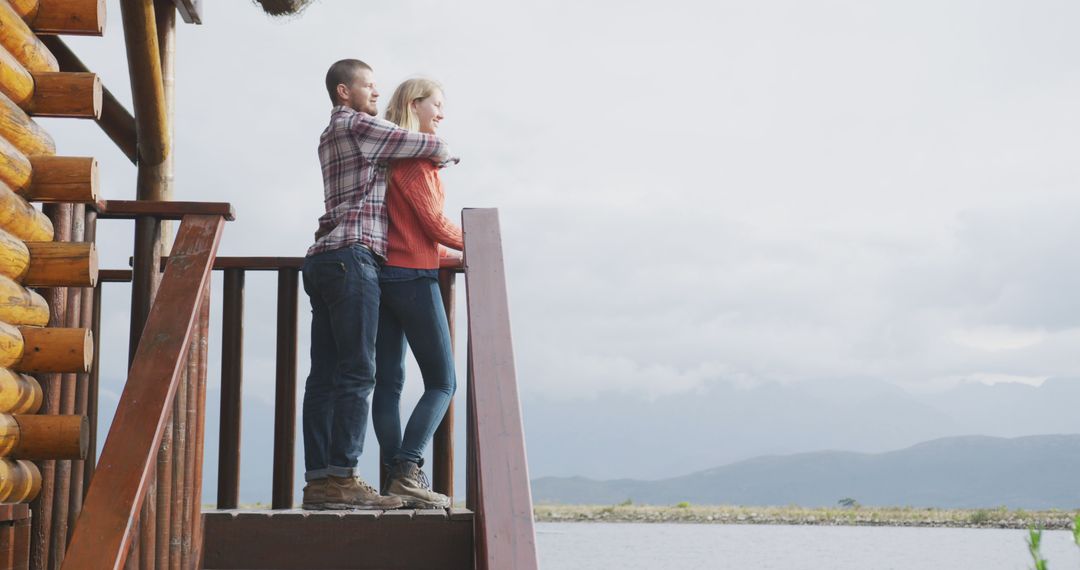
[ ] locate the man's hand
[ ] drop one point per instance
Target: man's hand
(451, 260)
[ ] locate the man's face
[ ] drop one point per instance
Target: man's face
(361, 94)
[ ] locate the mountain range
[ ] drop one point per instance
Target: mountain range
(1034, 472)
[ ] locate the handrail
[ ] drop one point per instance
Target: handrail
(104, 531)
(505, 537)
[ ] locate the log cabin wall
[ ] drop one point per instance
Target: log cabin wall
(48, 271)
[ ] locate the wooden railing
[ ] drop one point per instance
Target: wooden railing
(105, 530)
(497, 482)
(498, 475)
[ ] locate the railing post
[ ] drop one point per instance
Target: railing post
(442, 470)
(285, 397)
(232, 362)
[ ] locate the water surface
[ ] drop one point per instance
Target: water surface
(629, 546)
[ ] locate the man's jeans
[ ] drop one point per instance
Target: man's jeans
(343, 285)
(411, 308)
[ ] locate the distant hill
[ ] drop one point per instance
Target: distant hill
(1034, 472)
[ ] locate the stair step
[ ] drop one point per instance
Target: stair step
(338, 540)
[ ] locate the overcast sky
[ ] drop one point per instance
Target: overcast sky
(690, 192)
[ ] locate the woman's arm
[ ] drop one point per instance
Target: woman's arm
(418, 181)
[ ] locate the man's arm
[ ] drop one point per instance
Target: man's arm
(382, 140)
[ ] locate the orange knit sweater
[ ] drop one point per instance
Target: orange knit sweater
(414, 204)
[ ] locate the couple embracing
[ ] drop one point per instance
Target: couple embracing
(371, 277)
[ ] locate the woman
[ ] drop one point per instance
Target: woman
(412, 305)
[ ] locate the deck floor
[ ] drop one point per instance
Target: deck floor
(324, 540)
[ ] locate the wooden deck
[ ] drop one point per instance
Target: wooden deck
(344, 540)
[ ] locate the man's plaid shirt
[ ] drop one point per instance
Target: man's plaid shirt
(353, 151)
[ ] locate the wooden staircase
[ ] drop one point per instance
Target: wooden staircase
(345, 540)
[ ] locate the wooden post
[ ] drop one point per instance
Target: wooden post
(42, 525)
(232, 373)
(442, 470)
(285, 397)
(82, 389)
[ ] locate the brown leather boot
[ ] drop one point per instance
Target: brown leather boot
(315, 495)
(343, 493)
(409, 483)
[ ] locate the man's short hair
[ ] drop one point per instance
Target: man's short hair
(343, 72)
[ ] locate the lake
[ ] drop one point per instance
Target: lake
(629, 546)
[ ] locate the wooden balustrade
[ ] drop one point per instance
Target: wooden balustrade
(104, 533)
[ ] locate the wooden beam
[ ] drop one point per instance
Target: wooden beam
(22, 132)
(103, 534)
(21, 41)
(61, 264)
(19, 393)
(66, 94)
(69, 17)
(43, 436)
(147, 89)
(21, 306)
(62, 179)
(55, 349)
(22, 481)
(115, 120)
(21, 220)
(190, 10)
(131, 209)
(504, 519)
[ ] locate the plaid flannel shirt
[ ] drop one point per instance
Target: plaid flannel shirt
(354, 150)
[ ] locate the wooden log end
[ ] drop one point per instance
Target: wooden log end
(66, 94)
(20, 481)
(69, 17)
(63, 179)
(56, 349)
(61, 264)
(43, 437)
(21, 306)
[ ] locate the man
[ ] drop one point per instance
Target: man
(341, 276)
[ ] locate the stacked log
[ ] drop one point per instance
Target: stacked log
(45, 332)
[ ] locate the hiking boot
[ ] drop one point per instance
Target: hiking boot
(409, 483)
(343, 493)
(315, 495)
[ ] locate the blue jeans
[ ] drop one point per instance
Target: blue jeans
(412, 309)
(343, 286)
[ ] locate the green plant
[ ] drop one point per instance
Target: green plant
(848, 502)
(683, 505)
(626, 503)
(979, 517)
(1034, 543)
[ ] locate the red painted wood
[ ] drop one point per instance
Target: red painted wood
(505, 535)
(285, 389)
(103, 533)
(131, 209)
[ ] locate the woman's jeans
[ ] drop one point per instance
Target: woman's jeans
(411, 309)
(343, 285)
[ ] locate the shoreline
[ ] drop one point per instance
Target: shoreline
(824, 516)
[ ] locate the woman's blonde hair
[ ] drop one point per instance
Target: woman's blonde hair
(400, 110)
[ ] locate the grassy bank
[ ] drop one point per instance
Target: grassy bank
(850, 516)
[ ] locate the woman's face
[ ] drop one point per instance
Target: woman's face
(429, 112)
